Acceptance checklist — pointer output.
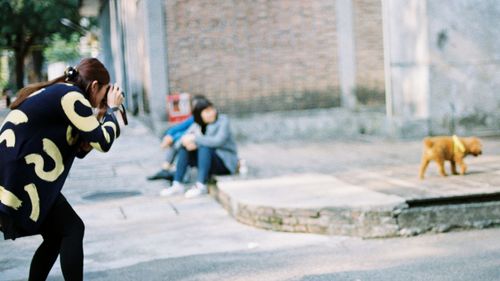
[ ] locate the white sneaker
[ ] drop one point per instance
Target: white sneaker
(197, 190)
(176, 188)
(242, 167)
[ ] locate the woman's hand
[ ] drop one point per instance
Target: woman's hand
(167, 141)
(84, 147)
(188, 141)
(115, 97)
(187, 138)
(191, 146)
(101, 110)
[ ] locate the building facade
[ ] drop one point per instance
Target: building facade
(416, 67)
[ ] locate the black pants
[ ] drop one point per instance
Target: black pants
(62, 233)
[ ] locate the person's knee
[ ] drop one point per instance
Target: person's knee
(52, 240)
(205, 149)
(81, 226)
(77, 228)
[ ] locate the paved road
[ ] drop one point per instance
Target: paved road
(145, 237)
(122, 232)
(128, 240)
(341, 156)
(454, 256)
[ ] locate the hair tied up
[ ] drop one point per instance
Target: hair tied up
(71, 73)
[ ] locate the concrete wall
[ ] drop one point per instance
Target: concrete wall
(444, 66)
(134, 50)
(464, 72)
(135, 55)
(439, 59)
(409, 59)
(155, 74)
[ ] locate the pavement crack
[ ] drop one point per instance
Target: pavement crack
(173, 208)
(123, 213)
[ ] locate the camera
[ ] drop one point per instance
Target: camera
(123, 112)
(121, 108)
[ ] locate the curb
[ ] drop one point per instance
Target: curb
(402, 220)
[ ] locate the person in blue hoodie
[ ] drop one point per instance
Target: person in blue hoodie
(213, 150)
(49, 125)
(171, 142)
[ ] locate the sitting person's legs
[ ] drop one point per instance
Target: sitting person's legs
(170, 154)
(184, 160)
(208, 163)
(165, 172)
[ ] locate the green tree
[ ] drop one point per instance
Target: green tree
(62, 49)
(28, 23)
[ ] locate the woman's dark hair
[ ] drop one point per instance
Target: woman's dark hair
(195, 99)
(201, 104)
(87, 71)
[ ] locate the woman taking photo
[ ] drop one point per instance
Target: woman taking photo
(51, 123)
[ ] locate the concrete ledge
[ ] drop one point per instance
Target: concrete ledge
(444, 218)
(310, 203)
(308, 124)
(323, 204)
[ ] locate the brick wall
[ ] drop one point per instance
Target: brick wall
(254, 56)
(369, 52)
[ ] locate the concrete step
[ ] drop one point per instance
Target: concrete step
(323, 204)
